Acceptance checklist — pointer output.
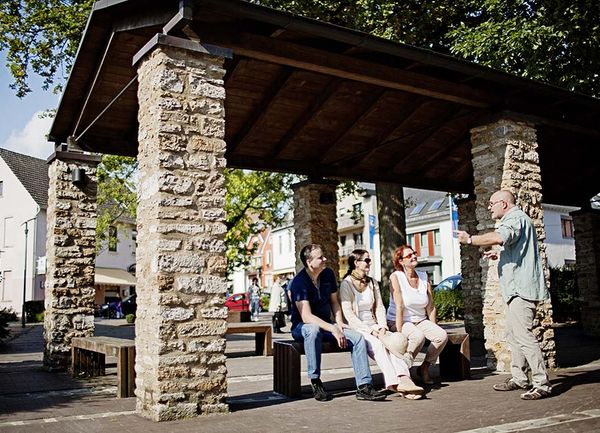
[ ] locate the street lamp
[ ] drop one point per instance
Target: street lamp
(26, 223)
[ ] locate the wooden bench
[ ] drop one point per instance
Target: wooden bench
(454, 362)
(263, 335)
(88, 357)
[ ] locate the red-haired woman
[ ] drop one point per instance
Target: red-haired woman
(411, 310)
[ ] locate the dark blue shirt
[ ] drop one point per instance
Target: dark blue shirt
(302, 289)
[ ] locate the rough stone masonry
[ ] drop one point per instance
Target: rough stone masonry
(181, 320)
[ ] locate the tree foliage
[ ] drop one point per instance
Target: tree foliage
(117, 195)
(255, 200)
(555, 41)
(41, 36)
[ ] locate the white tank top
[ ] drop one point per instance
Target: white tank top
(415, 300)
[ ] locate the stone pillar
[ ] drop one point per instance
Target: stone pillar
(315, 219)
(505, 157)
(587, 246)
(471, 272)
(391, 215)
(71, 255)
(181, 317)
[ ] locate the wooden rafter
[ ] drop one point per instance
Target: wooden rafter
(261, 110)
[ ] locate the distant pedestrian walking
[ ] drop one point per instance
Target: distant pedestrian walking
(254, 296)
(522, 283)
(278, 305)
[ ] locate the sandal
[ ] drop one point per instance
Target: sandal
(411, 396)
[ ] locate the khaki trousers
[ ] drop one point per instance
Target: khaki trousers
(525, 349)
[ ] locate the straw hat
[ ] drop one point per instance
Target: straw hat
(395, 342)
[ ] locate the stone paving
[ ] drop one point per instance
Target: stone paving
(34, 400)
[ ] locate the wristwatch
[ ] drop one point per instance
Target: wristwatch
(469, 241)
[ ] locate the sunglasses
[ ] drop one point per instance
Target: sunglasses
(410, 256)
(367, 260)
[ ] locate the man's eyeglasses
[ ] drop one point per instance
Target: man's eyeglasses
(492, 203)
(410, 255)
(367, 260)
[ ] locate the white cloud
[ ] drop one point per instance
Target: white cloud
(31, 140)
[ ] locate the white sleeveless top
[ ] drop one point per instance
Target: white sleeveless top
(415, 300)
(365, 301)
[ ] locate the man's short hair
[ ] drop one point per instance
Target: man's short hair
(306, 250)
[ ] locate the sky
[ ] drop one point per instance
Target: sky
(21, 128)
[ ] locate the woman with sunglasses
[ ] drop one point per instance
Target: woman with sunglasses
(364, 312)
(412, 312)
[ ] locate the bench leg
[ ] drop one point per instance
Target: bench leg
(122, 385)
(455, 359)
(264, 343)
(286, 371)
(131, 372)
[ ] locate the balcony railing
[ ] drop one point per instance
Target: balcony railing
(346, 250)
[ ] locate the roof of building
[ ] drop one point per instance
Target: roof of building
(31, 172)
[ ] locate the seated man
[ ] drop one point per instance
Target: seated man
(314, 299)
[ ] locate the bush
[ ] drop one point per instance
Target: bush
(564, 292)
(39, 317)
(6, 315)
(130, 318)
(33, 310)
(265, 302)
(449, 304)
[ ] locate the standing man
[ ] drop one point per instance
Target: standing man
(314, 302)
(523, 286)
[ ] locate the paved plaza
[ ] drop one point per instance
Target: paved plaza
(32, 399)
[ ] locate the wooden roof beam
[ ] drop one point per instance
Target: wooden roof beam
(448, 119)
(309, 113)
(342, 66)
(367, 110)
(261, 110)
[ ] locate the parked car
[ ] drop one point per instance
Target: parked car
(450, 283)
(109, 309)
(239, 302)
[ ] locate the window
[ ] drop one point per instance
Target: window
(435, 205)
(280, 240)
(112, 238)
(343, 240)
(1, 187)
(133, 241)
(566, 225)
(290, 241)
(9, 231)
(436, 237)
(5, 284)
(410, 240)
(418, 208)
(358, 239)
(268, 257)
(424, 240)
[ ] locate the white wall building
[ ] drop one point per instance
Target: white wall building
(560, 239)
(24, 197)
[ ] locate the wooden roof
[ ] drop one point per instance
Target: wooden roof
(313, 98)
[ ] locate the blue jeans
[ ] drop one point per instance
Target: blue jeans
(254, 306)
(313, 336)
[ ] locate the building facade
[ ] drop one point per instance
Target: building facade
(23, 203)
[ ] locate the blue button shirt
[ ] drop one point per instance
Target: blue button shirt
(519, 267)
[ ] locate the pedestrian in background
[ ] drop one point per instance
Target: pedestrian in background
(254, 296)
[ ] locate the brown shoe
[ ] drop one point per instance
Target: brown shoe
(509, 385)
